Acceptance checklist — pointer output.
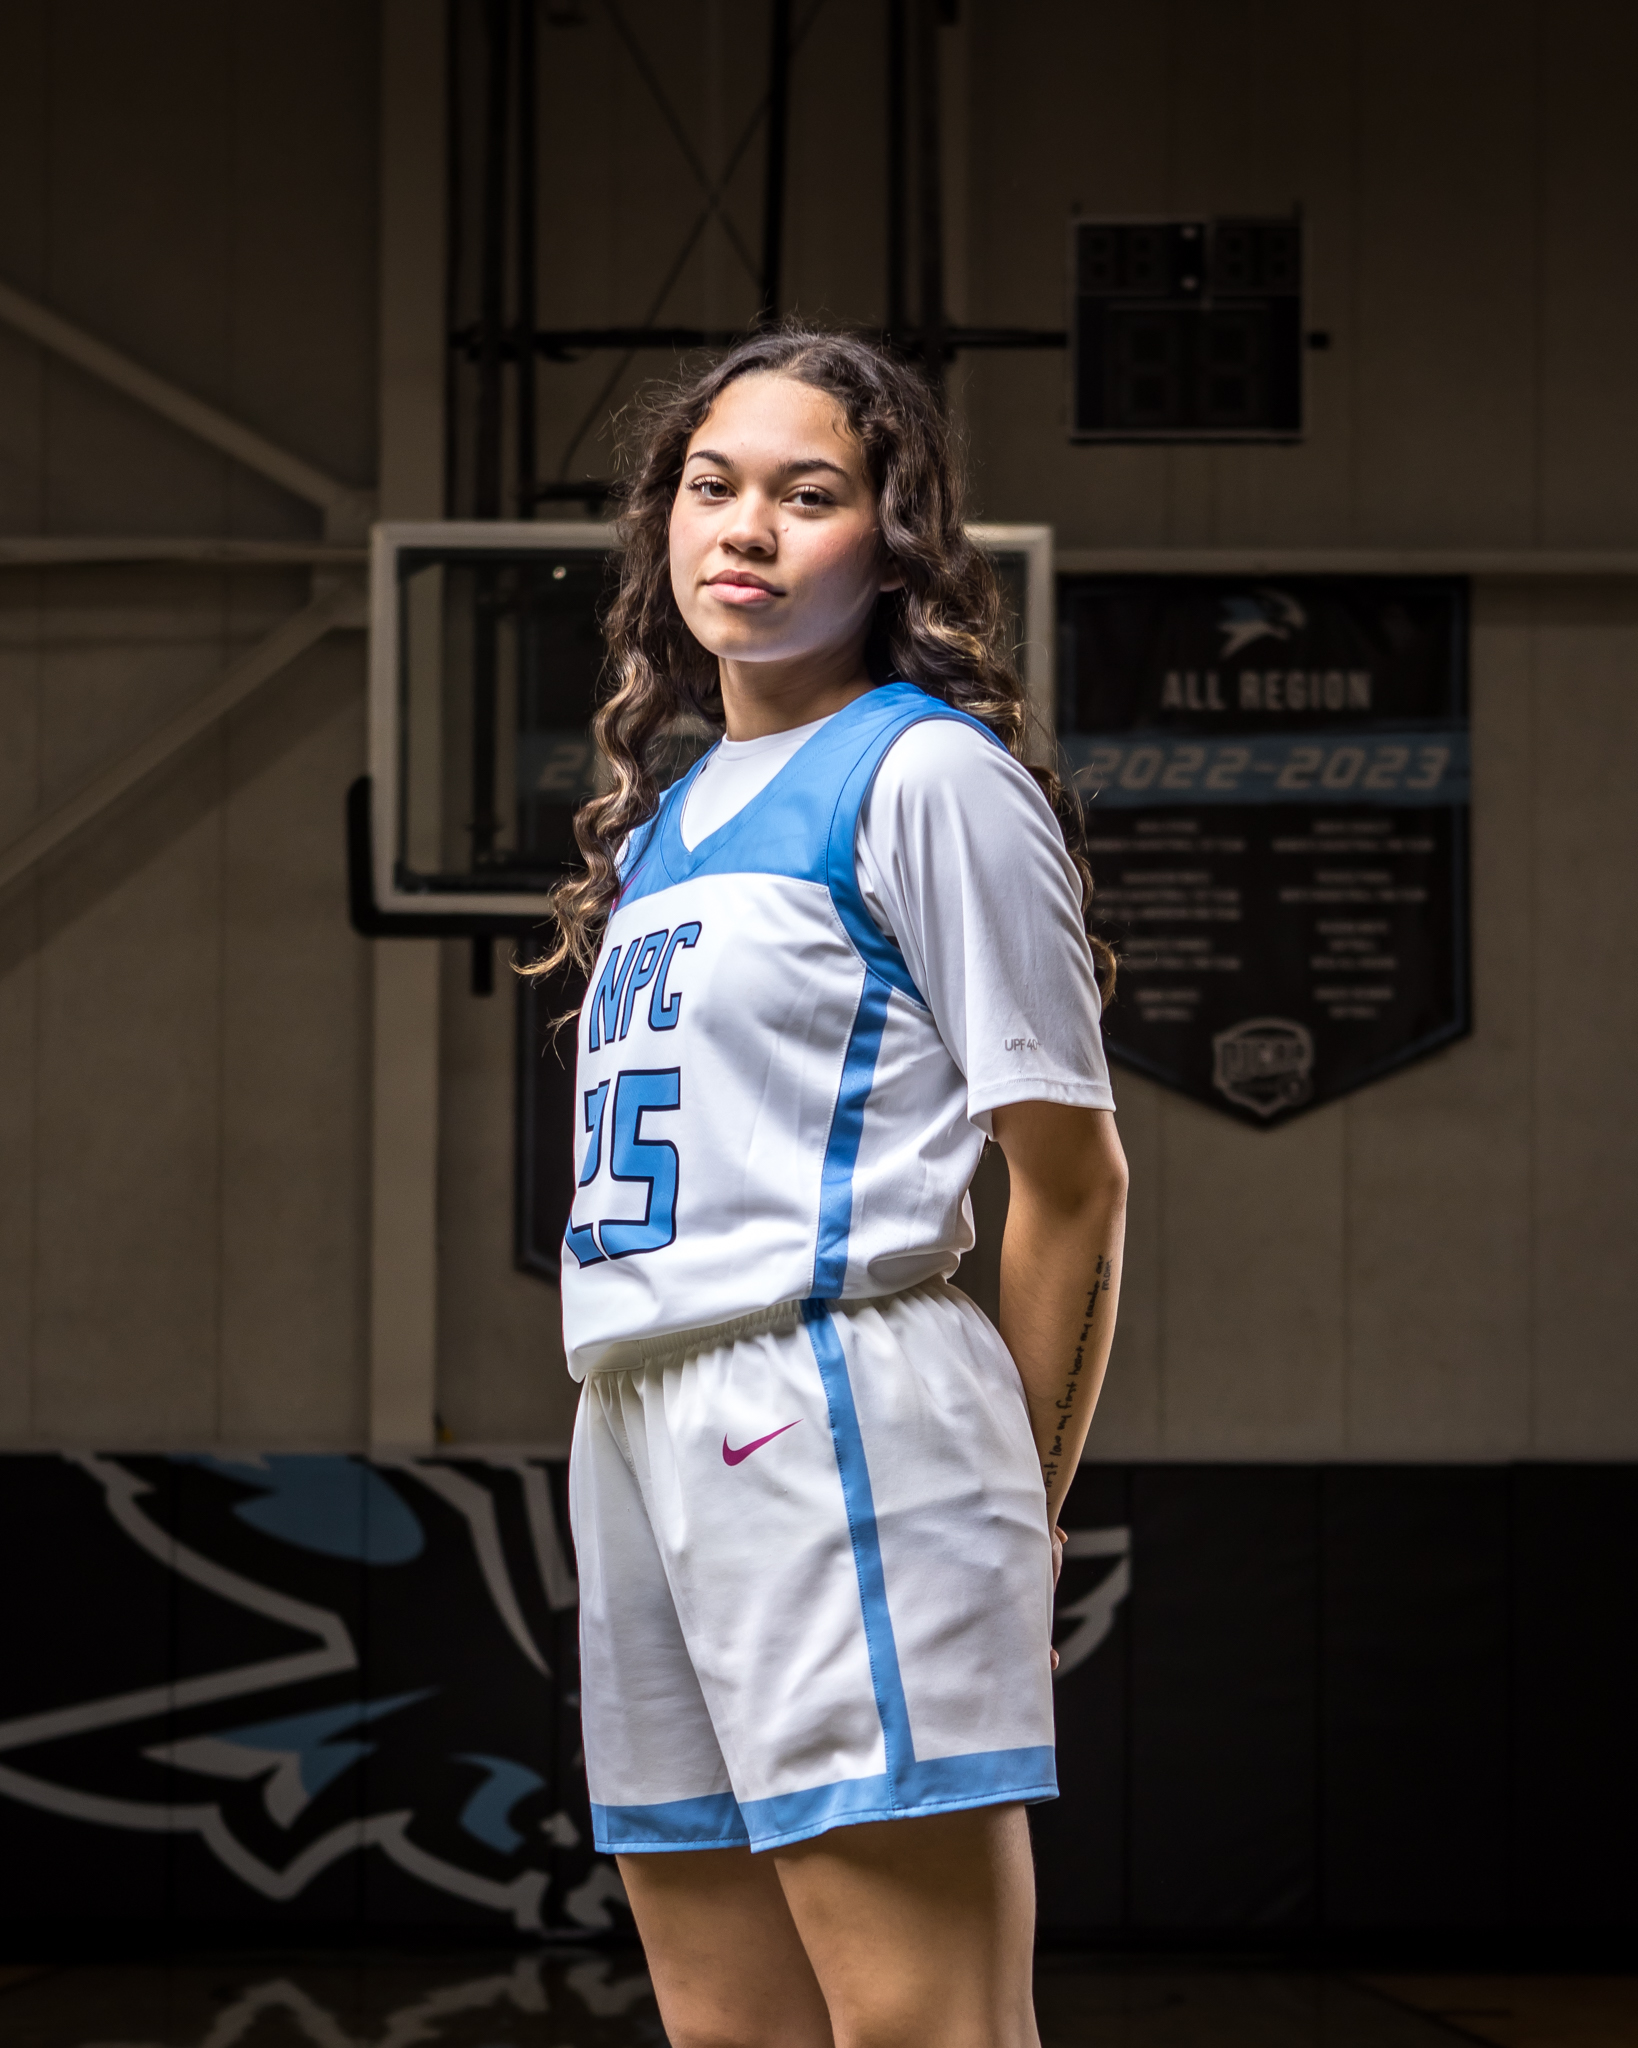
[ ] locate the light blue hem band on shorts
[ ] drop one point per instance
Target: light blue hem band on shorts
(718, 1820)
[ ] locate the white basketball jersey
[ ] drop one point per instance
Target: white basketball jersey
(768, 1111)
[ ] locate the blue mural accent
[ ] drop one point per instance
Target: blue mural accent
(291, 1729)
(306, 1738)
(486, 1816)
(336, 1506)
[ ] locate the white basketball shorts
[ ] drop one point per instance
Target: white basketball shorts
(815, 1577)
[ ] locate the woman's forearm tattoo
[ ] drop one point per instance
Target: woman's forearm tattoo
(1064, 1406)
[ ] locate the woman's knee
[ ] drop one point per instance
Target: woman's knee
(717, 2023)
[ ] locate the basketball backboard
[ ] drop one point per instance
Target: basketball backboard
(486, 651)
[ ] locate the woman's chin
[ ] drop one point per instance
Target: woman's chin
(738, 640)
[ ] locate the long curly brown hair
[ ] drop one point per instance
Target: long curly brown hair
(943, 629)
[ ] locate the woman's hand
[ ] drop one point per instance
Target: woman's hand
(1059, 1539)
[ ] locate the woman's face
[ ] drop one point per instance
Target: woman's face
(775, 552)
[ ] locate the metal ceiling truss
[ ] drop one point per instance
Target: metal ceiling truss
(337, 599)
(497, 344)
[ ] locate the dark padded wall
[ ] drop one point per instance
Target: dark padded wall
(1414, 1688)
(1575, 1693)
(1353, 1699)
(1224, 1676)
(328, 1694)
(1080, 1837)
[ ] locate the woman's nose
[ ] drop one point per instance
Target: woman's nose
(751, 529)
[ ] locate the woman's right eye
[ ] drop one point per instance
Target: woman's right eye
(711, 488)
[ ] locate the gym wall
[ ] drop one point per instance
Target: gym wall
(184, 1014)
(1433, 1269)
(1297, 1669)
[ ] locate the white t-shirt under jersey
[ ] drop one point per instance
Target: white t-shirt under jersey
(961, 863)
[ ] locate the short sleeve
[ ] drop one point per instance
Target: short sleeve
(961, 862)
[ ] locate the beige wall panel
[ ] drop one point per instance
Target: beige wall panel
(1259, 117)
(122, 650)
(195, 185)
(22, 436)
(1203, 108)
(304, 305)
(623, 197)
(1589, 483)
(140, 224)
(1445, 376)
(1586, 1007)
(19, 987)
(583, 74)
(1253, 1251)
(20, 620)
(1128, 1421)
(1068, 115)
(835, 223)
(295, 1035)
(501, 1376)
(129, 1210)
(1439, 1292)
(141, 163)
(114, 468)
(211, 213)
(25, 32)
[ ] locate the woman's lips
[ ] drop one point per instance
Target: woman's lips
(731, 591)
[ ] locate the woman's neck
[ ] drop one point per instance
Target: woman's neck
(763, 697)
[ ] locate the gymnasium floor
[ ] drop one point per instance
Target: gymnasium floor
(586, 2000)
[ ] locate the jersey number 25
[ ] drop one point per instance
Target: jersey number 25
(651, 1163)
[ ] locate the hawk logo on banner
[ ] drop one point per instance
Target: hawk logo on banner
(1276, 782)
(1271, 615)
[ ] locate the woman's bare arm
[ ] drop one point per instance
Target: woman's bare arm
(1060, 1269)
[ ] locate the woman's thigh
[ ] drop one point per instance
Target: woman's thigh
(920, 1931)
(729, 1969)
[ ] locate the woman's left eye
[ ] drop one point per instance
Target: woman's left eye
(810, 498)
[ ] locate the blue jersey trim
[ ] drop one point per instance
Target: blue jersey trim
(986, 1778)
(870, 942)
(886, 1680)
(718, 1821)
(803, 823)
(712, 1821)
(638, 876)
(842, 1146)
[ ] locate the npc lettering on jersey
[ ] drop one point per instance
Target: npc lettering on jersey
(622, 1101)
(643, 964)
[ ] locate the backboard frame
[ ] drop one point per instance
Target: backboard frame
(419, 910)
(390, 540)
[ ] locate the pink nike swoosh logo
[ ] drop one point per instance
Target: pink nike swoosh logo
(738, 1457)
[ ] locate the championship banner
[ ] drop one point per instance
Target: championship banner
(1276, 778)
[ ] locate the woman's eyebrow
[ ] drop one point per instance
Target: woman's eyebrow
(795, 467)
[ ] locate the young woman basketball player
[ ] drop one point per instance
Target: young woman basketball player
(814, 1490)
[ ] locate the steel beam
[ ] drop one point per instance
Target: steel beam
(773, 200)
(69, 551)
(347, 512)
(933, 338)
(344, 607)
